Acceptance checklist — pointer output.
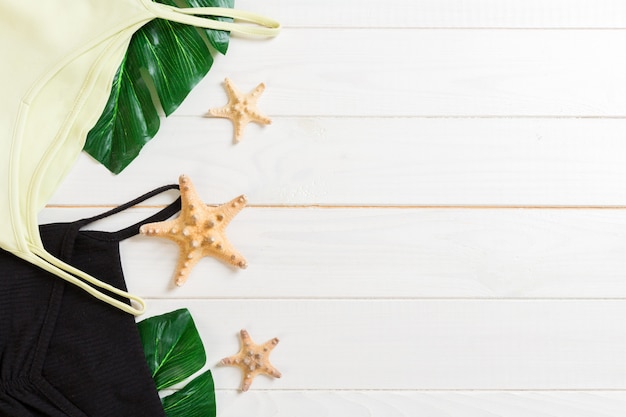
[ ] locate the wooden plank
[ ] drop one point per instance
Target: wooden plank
(444, 13)
(419, 344)
(387, 253)
(411, 404)
(347, 161)
(408, 72)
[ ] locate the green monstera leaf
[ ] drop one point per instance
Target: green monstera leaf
(172, 346)
(174, 351)
(167, 56)
(197, 399)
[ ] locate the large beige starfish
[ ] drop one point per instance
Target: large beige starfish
(253, 359)
(241, 109)
(199, 231)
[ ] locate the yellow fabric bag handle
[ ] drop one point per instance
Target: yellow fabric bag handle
(87, 283)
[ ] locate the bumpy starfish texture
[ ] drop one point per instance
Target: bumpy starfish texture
(199, 231)
(253, 359)
(241, 108)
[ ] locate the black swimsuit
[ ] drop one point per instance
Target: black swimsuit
(62, 352)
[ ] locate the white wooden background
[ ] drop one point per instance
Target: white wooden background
(436, 222)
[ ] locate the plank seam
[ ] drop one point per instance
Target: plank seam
(366, 207)
(503, 28)
(386, 299)
(433, 116)
(435, 390)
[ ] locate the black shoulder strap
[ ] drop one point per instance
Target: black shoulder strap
(130, 231)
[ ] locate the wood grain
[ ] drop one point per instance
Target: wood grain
(392, 254)
(444, 13)
(411, 404)
(347, 161)
(428, 73)
(419, 344)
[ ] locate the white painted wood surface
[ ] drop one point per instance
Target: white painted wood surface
(381, 162)
(437, 223)
(393, 253)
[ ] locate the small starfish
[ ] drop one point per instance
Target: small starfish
(253, 359)
(199, 231)
(241, 109)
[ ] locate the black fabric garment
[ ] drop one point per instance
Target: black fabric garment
(62, 351)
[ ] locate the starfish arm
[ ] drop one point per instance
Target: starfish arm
(226, 252)
(225, 112)
(270, 344)
(270, 370)
(231, 90)
(239, 124)
(245, 338)
(256, 93)
(227, 211)
(259, 118)
(247, 381)
(190, 200)
(231, 360)
(162, 229)
(186, 261)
